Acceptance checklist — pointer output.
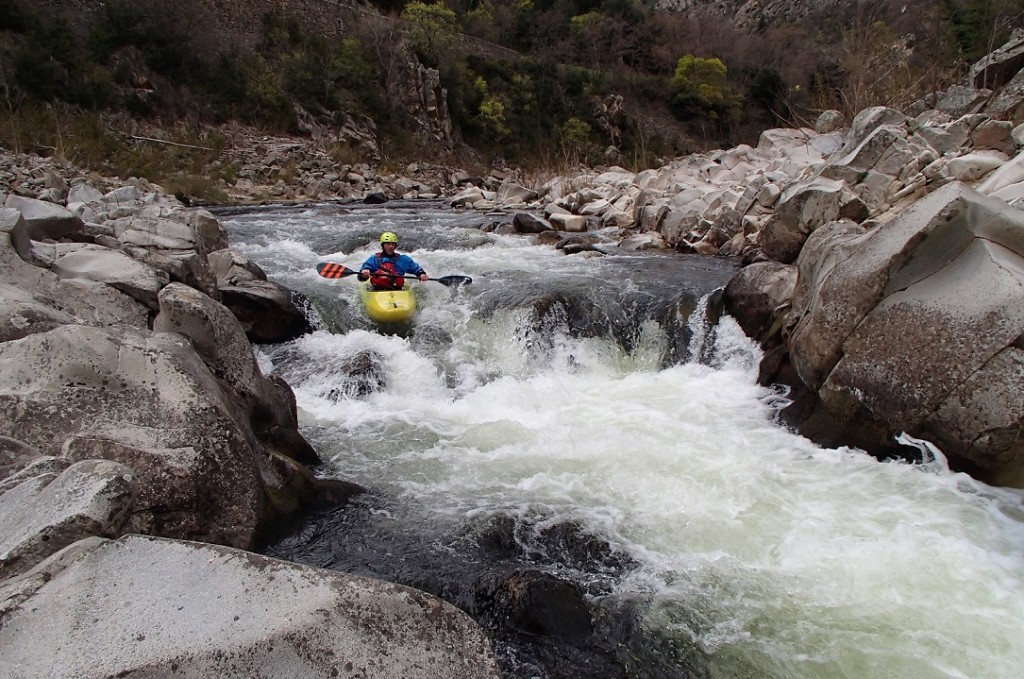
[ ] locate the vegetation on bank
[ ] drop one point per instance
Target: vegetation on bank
(535, 82)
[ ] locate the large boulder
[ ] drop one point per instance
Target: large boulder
(269, 312)
(151, 403)
(45, 220)
(149, 607)
(1000, 66)
(22, 313)
(218, 338)
(175, 247)
(757, 296)
(915, 327)
(114, 268)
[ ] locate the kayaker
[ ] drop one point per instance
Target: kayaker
(387, 268)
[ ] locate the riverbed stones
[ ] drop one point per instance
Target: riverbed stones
(169, 608)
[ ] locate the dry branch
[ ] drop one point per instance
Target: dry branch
(169, 143)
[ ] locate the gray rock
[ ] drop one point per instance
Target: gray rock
(22, 314)
(164, 234)
(232, 267)
(889, 328)
(526, 222)
(466, 197)
(758, 296)
(209, 229)
(85, 302)
(995, 135)
(866, 122)
(151, 403)
(947, 138)
(802, 208)
(996, 69)
(570, 223)
(14, 456)
(269, 312)
(197, 611)
(32, 464)
(44, 220)
(114, 268)
(183, 266)
(960, 100)
(218, 338)
(48, 512)
(84, 193)
(511, 193)
(13, 225)
(123, 195)
(1009, 101)
(829, 121)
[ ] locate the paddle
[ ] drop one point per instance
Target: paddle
(335, 270)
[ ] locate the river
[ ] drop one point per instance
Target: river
(586, 418)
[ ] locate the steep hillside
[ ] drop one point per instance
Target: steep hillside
(538, 83)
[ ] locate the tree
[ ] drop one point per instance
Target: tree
(701, 90)
(574, 140)
(491, 111)
(432, 26)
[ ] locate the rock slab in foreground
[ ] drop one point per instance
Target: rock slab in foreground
(148, 607)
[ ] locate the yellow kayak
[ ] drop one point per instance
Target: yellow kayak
(388, 306)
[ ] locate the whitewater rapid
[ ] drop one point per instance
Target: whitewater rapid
(764, 554)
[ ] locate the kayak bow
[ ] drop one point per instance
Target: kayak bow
(388, 306)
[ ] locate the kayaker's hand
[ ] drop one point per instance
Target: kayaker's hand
(424, 277)
(364, 274)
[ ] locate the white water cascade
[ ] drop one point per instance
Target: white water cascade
(770, 556)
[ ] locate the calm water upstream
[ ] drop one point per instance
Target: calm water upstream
(576, 416)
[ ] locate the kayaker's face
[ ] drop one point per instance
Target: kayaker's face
(389, 248)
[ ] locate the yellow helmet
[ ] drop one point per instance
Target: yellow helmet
(388, 237)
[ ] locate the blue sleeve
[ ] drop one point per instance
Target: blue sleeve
(407, 265)
(372, 263)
